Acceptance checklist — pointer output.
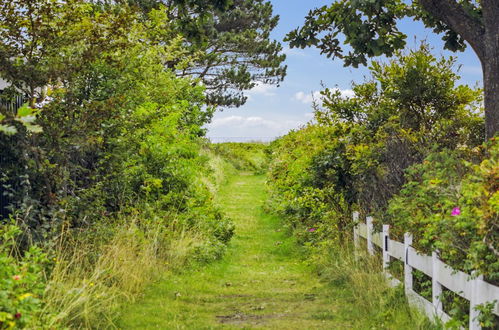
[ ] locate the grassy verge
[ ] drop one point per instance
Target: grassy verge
(367, 300)
(244, 156)
(96, 272)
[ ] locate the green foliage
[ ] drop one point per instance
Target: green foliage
(23, 281)
(356, 153)
(25, 115)
(298, 192)
(109, 137)
(57, 39)
(116, 183)
(230, 44)
(443, 182)
(370, 27)
(406, 148)
(244, 156)
(487, 318)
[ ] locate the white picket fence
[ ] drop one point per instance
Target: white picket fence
(474, 289)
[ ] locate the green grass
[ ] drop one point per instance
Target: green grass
(249, 156)
(261, 282)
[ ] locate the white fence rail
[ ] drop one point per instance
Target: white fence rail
(474, 289)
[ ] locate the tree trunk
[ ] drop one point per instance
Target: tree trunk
(483, 37)
(490, 65)
(491, 91)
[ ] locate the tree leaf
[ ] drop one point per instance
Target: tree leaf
(9, 130)
(24, 111)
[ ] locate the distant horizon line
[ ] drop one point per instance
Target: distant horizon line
(218, 139)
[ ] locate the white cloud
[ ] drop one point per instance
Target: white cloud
(294, 51)
(244, 122)
(310, 97)
(253, 126)
(262, 89)
(307, 98)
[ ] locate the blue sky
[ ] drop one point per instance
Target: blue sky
(271, 111)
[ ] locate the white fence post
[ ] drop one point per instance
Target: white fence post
(475, 300)
(370, 247)
(386, 238)
(355, 216)
(436, 287)
(476, 290)
(407, 267)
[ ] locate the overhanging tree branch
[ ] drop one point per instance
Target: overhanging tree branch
(458, 19)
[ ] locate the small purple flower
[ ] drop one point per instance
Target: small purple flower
(311, 230)
(456, 211)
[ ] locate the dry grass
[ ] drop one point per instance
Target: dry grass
(371, 303)
(98, 272)
(90, 283)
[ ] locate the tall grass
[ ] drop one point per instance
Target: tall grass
(220, 170)
(371, 302)
(244, 156)
(92, 278)
(98, 271)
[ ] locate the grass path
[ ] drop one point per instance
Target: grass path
(261, 282)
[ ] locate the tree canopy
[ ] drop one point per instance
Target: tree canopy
(369, 28)
(231, 44)
(228, 43)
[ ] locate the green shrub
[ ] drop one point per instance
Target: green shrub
(404, 148)
(451, 204)
(22, 284)
(244, 156)
(117, 184)
(355, 155)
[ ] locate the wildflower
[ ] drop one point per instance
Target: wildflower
(456, 211)
(17, 315)
(24, 296)
(311, 230)
(16, 277)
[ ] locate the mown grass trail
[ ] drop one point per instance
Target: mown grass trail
(261, 282)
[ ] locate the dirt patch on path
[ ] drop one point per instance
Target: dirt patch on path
(245, 319)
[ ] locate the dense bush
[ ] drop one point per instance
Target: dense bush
(355, 155)
(406, 148)
(291, 180)
(115, 184)
(451, 204)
